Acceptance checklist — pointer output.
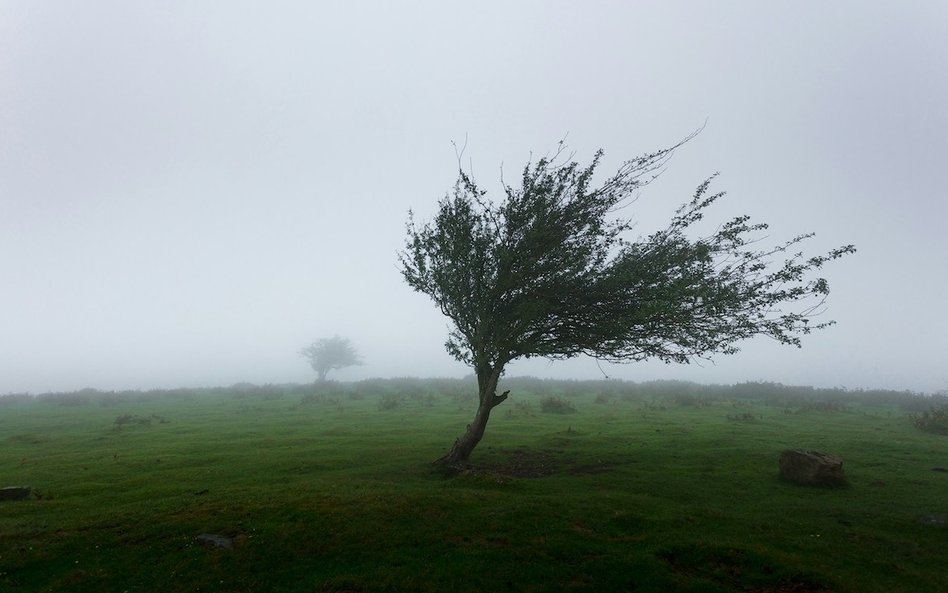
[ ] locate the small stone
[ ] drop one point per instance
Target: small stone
(933, 519)
(215, 540)
(14, 492)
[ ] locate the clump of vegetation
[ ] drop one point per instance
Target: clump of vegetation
(390, 401)
(78, 398)
(934, 420)
(821, 406)
(16, 398)
(427, 400)
(110, 399)
(319, 398)
(742, 417)
(604, 398)
(690, 400)
(653, 407)
(136, 420)
(521, 409)
(555, 405)
(265, 392)
(917, 402)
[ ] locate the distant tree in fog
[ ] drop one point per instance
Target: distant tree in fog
(548, 271)
(328, 354)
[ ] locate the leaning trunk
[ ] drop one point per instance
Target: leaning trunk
(457, 458)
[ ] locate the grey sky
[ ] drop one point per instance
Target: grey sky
(192, 191)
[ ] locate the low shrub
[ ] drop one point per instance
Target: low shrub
(653, 406)
(136, 420)
(554, 405)
(390, 401)
(934, 420)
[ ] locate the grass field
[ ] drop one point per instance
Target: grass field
(669, 487)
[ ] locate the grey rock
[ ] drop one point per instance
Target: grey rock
(14, 492)
(215, 540)
(811, 468)
(933, 519)
(940, 469)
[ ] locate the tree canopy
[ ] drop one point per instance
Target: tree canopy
(327, 354)
(549, 271)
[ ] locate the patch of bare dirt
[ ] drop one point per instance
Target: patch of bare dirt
(524, 462)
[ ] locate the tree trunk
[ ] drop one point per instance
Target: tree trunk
(321, 375)
(457, 457)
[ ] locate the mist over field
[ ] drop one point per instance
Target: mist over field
(191, 193)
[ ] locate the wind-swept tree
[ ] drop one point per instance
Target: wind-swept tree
(548, 271)
(327, 354)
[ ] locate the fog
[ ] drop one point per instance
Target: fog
(191, 192)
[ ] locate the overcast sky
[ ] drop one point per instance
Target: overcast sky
(190, 192)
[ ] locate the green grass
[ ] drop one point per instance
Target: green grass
(336, 494)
